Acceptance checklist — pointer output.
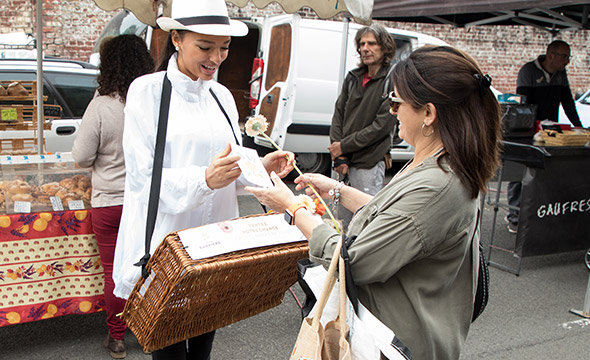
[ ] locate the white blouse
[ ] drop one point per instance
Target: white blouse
(197, 131)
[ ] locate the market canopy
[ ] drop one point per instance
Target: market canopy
(148, 10)
(551, 15)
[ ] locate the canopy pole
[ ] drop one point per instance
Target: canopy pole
(39, 45)
(344, 52)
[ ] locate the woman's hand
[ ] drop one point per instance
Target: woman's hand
(281, 162)
(223, 170)
(321, 183)
(277, 198)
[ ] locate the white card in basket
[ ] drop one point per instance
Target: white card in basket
(253, 172)
(239, 234)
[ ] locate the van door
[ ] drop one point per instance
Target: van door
(277, 90)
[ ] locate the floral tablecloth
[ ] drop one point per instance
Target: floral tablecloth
(49, 266)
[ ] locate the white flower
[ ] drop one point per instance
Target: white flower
(256, 125)
(307, 201)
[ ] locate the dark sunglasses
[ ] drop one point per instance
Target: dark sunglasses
(394, 101)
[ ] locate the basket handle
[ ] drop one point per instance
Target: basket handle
(328, 286)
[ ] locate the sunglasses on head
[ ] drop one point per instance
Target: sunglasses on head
(394, 101)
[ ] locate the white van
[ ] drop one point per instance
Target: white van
(304, 64)
(290, 70)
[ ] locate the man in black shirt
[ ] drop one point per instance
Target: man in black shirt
(544, 82)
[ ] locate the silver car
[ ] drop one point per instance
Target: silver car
(69, 84)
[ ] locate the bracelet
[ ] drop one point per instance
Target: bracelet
(335, 193)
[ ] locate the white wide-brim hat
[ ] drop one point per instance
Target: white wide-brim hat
(207, 17)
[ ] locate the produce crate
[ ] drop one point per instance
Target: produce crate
(566, 137)
(24, 117)
(30, 86)
(24, 146)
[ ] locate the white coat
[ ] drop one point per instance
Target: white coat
(197, 131)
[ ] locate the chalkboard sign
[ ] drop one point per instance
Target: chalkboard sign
(52, 111)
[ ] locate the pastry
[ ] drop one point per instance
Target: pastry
(16, 89)
(21, 197)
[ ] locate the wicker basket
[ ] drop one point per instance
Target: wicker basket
(183, 298)
(566, 138)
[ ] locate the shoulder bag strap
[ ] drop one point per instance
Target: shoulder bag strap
(156, 173)
(224, 113)
(483, 278)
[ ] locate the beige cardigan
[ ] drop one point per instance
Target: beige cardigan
(99, 145)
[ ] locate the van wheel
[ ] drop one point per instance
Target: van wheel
(312, 163)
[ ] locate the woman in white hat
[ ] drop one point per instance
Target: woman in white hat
(198, 184)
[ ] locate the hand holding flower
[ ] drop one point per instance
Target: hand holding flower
(223, 170)
(321, 183)
(281, 162)
(255, 126)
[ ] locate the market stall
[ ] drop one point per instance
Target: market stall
(49, 260)
(555, 205)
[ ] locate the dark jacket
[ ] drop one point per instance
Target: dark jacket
(547, 91)
(361, 121)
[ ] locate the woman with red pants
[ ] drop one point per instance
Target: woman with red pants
(99, 145)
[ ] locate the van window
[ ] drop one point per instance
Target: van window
(76, 89)
(403, 48)
(279, 55)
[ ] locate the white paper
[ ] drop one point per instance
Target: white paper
(253, 172)
(56, 203)
(368, 335)
(76, 205)
(22, 206)
(233, 235)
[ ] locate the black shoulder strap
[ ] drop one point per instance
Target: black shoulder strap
(483, 278)
(350, 287)
(224, 113)
(156, 173)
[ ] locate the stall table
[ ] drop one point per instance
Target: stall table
(49, 266)
(555, 204)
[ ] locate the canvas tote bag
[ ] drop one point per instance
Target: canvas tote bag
(315, 342)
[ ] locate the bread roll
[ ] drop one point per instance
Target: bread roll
(16, 89)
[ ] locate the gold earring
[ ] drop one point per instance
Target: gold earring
(422, 130)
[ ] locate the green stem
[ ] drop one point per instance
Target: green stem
(308, 185)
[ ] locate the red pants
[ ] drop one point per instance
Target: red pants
(105, 222)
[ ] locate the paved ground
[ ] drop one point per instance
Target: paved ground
(527, 318)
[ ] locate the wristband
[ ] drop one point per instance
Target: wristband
(291, 210)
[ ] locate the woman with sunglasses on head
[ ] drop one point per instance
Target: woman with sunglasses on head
(415, 256)
(198, 182)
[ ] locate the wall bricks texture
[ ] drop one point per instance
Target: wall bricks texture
(71, 28)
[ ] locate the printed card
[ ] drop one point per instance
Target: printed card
(253, 172)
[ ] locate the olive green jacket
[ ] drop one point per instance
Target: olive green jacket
(412, 261)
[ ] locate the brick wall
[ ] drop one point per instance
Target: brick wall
(71, 28)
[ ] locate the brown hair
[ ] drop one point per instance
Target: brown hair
(122, 59)
(384, 40)
(467, 111)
